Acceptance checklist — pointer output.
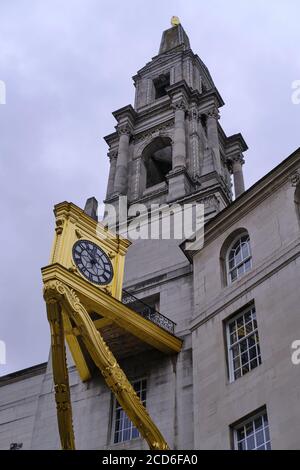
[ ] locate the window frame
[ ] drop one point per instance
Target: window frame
(115, 408)
(229, 347)
(242, 263)
(262, 412)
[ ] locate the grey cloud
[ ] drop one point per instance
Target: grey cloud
(67, 65)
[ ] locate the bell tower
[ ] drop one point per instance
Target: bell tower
(170, 146)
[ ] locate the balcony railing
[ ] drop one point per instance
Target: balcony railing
(146, 311)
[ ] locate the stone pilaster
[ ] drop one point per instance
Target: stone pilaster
(213, 137)
(179, 144)
(238, 177)
(112, 155)
(121, 175)
(194, 142)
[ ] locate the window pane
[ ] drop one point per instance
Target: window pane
(239, 258)
(250, 442)
(267, 434)
(258, 423)
(233, 338)
(248, 328)
(245, 250)
(124, 428)
(253, 434)
(247, 265)
(245, 358)
(248, 317)
(240, 270)
(238, 255)
(242, 445)
(244, 343)
(236, 363)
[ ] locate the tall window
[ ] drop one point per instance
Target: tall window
(243, 343)
(160, 85)
(253, 433)
(239, 258)
(124, 428)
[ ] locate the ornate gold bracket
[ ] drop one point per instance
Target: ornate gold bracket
(60, 298)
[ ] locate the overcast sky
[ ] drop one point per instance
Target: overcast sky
(67, 64)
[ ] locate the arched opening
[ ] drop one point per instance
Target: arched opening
(157, 158)
(235, 256)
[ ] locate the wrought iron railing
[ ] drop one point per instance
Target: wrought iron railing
(146, 311)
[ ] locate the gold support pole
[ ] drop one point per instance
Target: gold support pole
(107, 364)
(60, 373)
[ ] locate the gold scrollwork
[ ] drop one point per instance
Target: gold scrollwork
(57, 296)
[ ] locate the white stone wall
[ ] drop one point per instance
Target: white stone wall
(273, 284)
(18, 403)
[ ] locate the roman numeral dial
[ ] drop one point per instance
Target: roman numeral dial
(92, 262)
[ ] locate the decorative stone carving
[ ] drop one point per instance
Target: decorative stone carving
(112, 155)
(150, 134)
(213, 113)
(235, 159)
(124, 129)
(295, 178)
(179, 104)
(59, 226)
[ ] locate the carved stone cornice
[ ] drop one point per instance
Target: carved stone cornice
(151, 133)
(213, 113)
(112, 155)
(210, 201)
(239, 158)
(179, 105)
(124, 129)
(295, 178)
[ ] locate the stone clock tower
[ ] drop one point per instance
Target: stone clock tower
(170, 146)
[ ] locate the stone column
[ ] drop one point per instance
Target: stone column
(194, 142)
(113, 154)
(121, 176)
(213, 137)
(179, 147)
(238, 177)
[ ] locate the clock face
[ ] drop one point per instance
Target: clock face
(92, 262)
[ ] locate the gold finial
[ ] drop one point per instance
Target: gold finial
(175, 21)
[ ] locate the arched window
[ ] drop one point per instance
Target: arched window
(239, 259)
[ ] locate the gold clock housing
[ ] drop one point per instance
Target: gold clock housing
(79, 310)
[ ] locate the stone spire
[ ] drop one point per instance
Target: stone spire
(174, 37)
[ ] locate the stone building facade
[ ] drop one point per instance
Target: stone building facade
(235, 301)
